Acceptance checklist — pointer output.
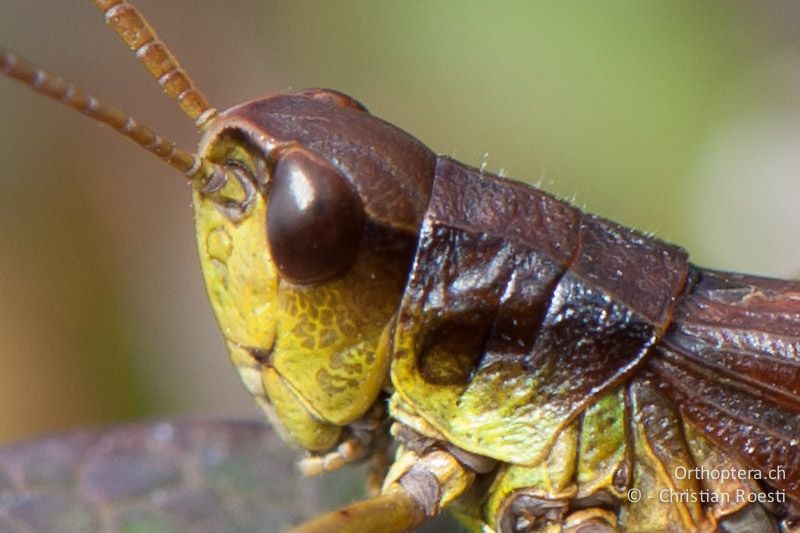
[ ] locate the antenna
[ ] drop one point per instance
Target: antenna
(56, 88)
(224, 183)
(140, 37)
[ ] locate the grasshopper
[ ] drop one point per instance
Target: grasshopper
(511, 335)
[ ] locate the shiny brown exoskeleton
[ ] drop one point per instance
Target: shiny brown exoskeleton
(539, 368)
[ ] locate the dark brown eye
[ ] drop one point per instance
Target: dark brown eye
(314, 218)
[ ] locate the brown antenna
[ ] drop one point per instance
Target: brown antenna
(56, 88)
(224, 183)
(140, 37)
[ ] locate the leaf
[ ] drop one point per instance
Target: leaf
(199, 475)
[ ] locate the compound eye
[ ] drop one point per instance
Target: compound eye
(314, 218)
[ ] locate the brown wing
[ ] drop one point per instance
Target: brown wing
(731, 361)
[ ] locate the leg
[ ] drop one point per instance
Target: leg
(417, 487)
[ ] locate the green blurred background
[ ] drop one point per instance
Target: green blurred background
(680, 118)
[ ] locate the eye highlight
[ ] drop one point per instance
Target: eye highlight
(314, 218)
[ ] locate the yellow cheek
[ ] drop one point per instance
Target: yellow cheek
(330, 343)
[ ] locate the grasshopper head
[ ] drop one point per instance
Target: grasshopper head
(305, 281)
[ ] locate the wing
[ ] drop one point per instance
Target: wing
(731, 362)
